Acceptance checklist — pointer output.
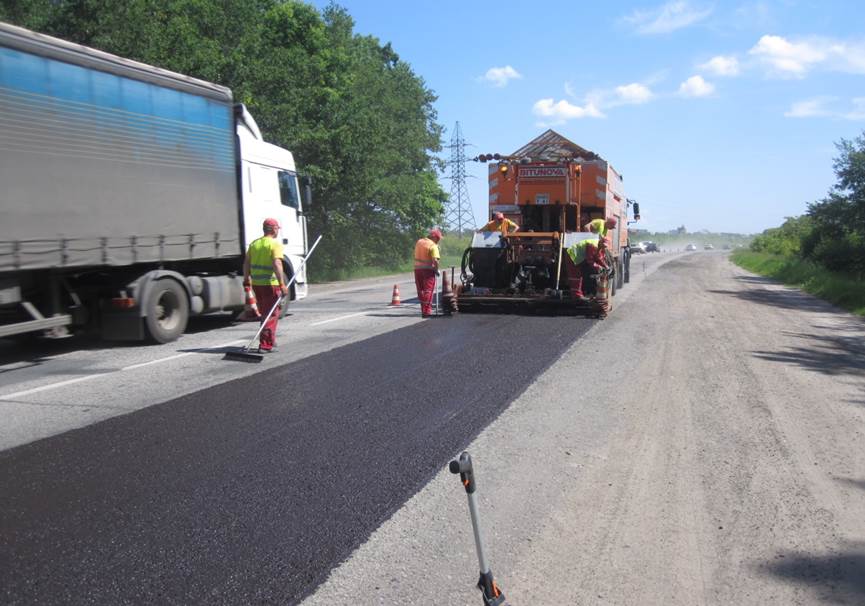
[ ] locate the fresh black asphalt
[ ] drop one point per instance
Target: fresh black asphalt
(253, 490)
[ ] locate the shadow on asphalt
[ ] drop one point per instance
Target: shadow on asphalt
(786, 298)
(852, 482)
(836, 579)
(34, 349)
(826, 354)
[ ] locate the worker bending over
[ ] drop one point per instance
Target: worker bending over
(586, 259)
(499, 223)
(262, 268)
(601, 227)
(426, 268)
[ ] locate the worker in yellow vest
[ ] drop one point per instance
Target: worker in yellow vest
(262, 268)
(426, 268)
(500, 223)
(586, 260)
(601, 227)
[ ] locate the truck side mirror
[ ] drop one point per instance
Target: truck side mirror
(306, 183)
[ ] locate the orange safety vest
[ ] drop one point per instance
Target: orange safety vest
(425, 253)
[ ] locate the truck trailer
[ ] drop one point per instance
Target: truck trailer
(551, 188)
(129, 194)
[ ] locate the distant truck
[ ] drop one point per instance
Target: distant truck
(128, 194)
(551, 188)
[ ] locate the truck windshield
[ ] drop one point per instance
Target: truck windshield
(288, 189)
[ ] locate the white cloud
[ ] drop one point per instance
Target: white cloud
(695, 86)
(558, 112)
(795, 58)
(858, 112)
(809, 108)
(593, 104)
(827, 107)
(667, 18)
(633, 93)
(500, 76)
(722, 66)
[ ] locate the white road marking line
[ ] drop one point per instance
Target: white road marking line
(130, 367)
(27, 392)
(362, 313)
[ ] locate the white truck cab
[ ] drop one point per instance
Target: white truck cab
(271, 188)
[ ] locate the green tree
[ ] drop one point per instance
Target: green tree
(837, 239)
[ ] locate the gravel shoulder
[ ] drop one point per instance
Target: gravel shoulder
(703, 445)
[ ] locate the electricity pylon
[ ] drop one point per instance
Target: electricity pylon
(459, 215)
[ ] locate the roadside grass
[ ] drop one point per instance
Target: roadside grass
(451, 248)
(843, 290)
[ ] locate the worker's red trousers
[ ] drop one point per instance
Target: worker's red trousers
(266, 297)
(425, 281)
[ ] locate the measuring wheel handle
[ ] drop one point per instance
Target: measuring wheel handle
(492, 595)
(463, 466)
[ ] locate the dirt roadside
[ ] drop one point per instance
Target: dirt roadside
(703, 445)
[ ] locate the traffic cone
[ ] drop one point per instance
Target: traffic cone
(250, 308)
(394, 299)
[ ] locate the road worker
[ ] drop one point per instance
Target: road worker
(426, 268)
(601, 227)
(262, 268)
(499, 223)
(586, 259)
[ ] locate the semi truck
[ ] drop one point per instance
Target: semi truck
(129, 194)
(551, 187)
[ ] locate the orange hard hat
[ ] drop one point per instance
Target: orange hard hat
(612, 222)
(435, 234)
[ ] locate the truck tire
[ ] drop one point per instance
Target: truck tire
(620, 274)
(167, 310)
(626, 274)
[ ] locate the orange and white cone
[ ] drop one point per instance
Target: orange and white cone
(394, 300)
(250, 309)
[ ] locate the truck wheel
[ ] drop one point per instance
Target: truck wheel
(626, 274)
(620, 274)
(167, 311)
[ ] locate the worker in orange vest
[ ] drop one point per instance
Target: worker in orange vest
(499, 223)
(262, 268)
(426, 268)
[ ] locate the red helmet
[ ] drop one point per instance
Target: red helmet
(435, 234)
(612, 222)
(499, 216)
(270, 224)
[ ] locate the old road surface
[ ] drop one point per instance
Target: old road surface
(702, 445)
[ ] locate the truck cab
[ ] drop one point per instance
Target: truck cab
(270, 188)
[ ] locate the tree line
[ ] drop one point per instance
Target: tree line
(360, 122)
(832, 231)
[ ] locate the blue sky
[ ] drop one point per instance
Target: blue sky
(719, 115)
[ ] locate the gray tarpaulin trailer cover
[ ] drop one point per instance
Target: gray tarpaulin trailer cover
(105, 161)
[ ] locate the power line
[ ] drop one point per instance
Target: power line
(459, 215)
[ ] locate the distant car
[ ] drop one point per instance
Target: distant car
(651, 247)
(638, 248)
(726, 247)
(691, 247)
(708, 247)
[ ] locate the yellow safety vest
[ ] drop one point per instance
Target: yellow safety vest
(577, 252)
(600, 226)
(261, 253)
